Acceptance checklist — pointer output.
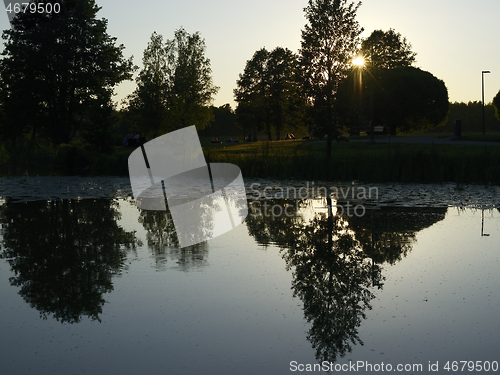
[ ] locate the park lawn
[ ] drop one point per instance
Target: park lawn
(494, 137)
(293, 159)
(369, 162)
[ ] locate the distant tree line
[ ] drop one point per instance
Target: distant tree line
(471, 116)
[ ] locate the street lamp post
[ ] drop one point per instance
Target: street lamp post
(482, 91)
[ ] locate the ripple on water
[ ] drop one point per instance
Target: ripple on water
(20, 188)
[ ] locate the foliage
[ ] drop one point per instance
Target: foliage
(174, 88)
(56, 67)
(387, 49)
(471, 116)
(147, 105)
(330, 40)
(267, 93)
(411, 100)
(98, 126)
(223, 123)
(336, 260)
(192, 88)
(405, 99)
(496, 104)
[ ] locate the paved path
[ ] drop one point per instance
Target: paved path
(425, 139)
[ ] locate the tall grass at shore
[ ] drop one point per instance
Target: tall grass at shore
(36, 158)
(368, 162)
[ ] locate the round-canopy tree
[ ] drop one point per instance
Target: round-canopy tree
(405, 100)
(411, 100)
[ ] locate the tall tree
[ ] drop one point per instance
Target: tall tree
(252, 92)
(285, 102)
(387, 49)
(148, 104)
(175, 87)
(267, 90)
(330, 40)
(57, 68)
(192, 87)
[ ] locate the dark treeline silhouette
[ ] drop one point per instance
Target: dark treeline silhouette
(174, 88)
(322, 91)
(471, 114)
(223, 123)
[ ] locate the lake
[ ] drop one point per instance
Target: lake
(388, 277)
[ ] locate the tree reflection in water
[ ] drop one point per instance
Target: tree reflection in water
(162, 240)
(64, 254)
(336, 263)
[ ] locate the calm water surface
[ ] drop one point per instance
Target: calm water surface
(91, 284)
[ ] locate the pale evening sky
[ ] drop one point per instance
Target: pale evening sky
(454, 39)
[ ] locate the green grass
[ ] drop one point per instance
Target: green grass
(494, 137)
(37, 157)
(367, 162)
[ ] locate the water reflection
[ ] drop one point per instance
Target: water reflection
(387, 234)
(64, 254)
(162, 240)
(336, 261)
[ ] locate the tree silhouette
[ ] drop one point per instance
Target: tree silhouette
(387, 49)
(387, 234)
(163, 240)
(56, 68)
(64, 254)
(267, 90)
(147, 106)
(330, 40)
(174, 88)
(332, 276)
(407, 99)
(411, 100)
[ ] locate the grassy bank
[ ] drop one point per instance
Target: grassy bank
(35, 157)
(367, 162)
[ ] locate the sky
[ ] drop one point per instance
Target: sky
(454, 39)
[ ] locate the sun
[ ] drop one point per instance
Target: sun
(358, 61)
